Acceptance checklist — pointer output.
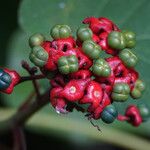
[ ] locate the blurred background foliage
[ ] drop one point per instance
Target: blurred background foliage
(20, 19)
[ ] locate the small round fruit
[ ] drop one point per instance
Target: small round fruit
(36, 40)
(84, 33)
(109, 114)
(60, 32)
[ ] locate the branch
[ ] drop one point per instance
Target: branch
(19, 139)
(34, 77)
(23, 115)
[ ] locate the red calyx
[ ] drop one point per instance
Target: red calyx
(81, 74)
(57, 102)
(93, 94)
(99, 25)
(74, 90)
(58, 81)
(105, 102)
(132, 115)
(15, 77)
(104, 44)
(84, 61)
(64, 44)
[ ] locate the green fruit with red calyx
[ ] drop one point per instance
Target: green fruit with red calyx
(138, 89)
(60, 32)
(84, 33)
(116, 40)
(129, 58)
(91, 49)
(5, 80)
(144, 111)
(101, 68)
(36, 40)
(109, 114)
(38, 56)
(130, 38)
(120, 92)
(68, 64)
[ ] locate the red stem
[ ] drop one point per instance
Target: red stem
(123, 118)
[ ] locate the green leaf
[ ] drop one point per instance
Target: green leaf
(41, 15)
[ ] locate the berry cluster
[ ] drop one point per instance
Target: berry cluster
(79, 75)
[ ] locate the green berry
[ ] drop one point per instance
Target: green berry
(36, 40)
(130, 38)
(38, 56)
(101, 68)
(109, 114)
(116, 40)
(91, 49)
(144, 111)
(120, 92)
(60, 32)
(84, 33)
(129, 58)
(68, 64)
(139, 87)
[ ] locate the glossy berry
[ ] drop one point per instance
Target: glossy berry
(130, 38)
(5, 80)
(91, 49)
(101, 68)
(36, 40)
(116, 40)
(109, 114)
(144, 111)
(60, 31)
(138, 89)
(84, 33)
(129, 58)
(120, 92)
(38, 56)
(68, 64)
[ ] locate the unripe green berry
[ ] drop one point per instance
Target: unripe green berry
(101, 68)
(84, 33)
(129, 58)
(68, 64)
(120, 92)
(116, 40)
(109, 114)
(91, 49)
(38, 56)
(144, 111)
(60, 31)
(36, 40)
(139, 87)
(130, 38)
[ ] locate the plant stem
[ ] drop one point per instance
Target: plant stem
(19, 139)
(23, 115)
(34, 77)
